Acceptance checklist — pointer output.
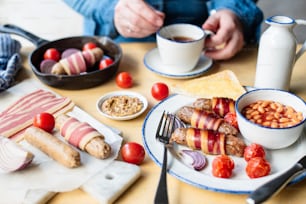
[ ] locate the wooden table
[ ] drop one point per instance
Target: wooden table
(143, 191)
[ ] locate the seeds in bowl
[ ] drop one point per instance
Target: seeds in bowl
(121, 105)
(272, 114)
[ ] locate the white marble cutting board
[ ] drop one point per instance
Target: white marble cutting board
(105, 187)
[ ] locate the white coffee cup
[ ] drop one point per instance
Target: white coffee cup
(180, 55)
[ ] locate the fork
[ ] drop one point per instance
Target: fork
(163, 133)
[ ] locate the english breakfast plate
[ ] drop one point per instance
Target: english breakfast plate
(239, 183)
(153, 62)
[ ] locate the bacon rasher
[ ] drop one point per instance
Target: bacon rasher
(208, 141)
(218, 105)
(83, 136)
(18, 116)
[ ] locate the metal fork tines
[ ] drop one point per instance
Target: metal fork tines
(163, 134)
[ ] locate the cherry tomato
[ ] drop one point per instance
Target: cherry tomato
(254, 150)
(231, 118)
(222, 166)
(89, 46)
(160, 91)
(124, 80)
(53, 54)
(105, 62)
(133, 153)
(44, 121)
(257, 167)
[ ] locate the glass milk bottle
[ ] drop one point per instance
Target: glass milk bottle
(277, 53)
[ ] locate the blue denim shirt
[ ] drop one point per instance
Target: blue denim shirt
(99, 15)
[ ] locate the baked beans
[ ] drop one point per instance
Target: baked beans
(272, 114)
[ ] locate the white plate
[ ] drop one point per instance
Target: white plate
(153, 62)
(122, 93)
(239, 183)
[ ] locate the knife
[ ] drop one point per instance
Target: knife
(274, 186)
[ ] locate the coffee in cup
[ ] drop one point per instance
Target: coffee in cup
(180, 47)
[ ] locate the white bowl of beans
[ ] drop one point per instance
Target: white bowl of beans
(270, 117)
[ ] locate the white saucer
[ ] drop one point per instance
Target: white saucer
(153, 62)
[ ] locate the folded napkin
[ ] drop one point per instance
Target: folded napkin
(10, 60)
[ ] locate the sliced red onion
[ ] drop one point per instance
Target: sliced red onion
(47, 65)
(196, 159)
(177, 122)
(12, 156)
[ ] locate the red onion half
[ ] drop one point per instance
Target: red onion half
(196, 159)
(177, 122)
(12, 156)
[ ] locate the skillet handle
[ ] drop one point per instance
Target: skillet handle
(13, 29)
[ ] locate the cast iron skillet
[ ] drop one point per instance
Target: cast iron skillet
(92, 78)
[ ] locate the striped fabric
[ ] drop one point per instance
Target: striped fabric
(9, 60)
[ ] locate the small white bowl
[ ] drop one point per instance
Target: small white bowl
(122, 93)
(270, 138)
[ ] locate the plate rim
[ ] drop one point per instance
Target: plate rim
(120, 93)
(158, 161)
(187, 75)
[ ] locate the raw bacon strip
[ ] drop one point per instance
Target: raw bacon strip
(21, 102)
(208, 141)
(74, 64)
(83, 136)
(89, 57)
(19, 135)
(20, 114)
(78, 133)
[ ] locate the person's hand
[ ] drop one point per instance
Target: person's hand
(137, 19)
(228, 38)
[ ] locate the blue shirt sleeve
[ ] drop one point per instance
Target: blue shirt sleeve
(98, 16)
(249, 14)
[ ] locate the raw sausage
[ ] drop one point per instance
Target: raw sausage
(53, 147)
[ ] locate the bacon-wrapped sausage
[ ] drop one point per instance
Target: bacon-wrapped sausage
(77, 62)
(208, 141)
(83, 136)
(219, 105)
(205, 120)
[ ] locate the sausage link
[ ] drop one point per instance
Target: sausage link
(218, 105)
(53, 147)
(202, 119)
(209, 142)
(83, 136)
